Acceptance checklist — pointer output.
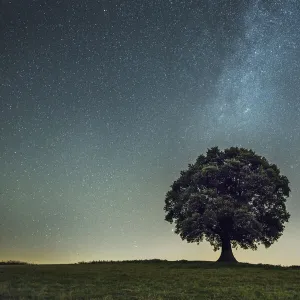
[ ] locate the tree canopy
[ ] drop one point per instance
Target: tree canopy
(230, 198)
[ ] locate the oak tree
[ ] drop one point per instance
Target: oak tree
(230, 198)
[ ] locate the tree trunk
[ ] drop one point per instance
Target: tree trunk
(226, 254)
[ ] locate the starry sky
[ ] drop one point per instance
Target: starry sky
(103, 102)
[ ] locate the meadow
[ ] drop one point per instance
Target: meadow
(149, 280)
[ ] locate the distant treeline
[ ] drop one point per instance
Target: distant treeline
(193, 264)
(178, 263)
(155, 260)
(14, 262)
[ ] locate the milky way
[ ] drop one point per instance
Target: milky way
(255, 91)
(102, 103)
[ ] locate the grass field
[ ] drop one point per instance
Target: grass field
(145, 280)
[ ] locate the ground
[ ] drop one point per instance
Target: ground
(152, 280)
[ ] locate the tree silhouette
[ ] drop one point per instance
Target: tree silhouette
(230, 198)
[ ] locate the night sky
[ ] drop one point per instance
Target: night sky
(104, 102)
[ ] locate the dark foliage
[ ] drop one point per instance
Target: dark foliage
(154, 260)
(14, 262)
(233, 195)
